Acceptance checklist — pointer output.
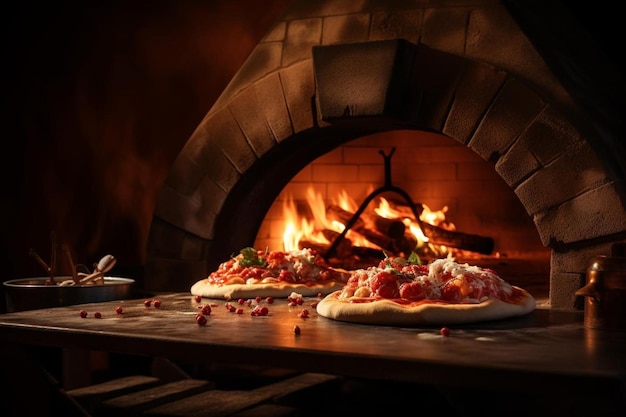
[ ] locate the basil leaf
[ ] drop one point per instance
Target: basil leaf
(251, 257)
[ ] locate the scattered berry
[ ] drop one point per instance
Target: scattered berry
(314, 304)
(241, 301)
(147, 303)
(259, 311)
(201, 319)
(157, 303)
(198, 298)
(319, 295)
(83, 313)
(97, 315)
(240, 311)
(269, 300)
(296, 329)
(258, 299)
(445, 331)
(119, 310)
(206, 310)
(304, 314)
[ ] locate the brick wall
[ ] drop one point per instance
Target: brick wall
(433, 169)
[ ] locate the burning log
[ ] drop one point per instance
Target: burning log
(393, 228)
(403, 243)
(459, 240)
(435, 234)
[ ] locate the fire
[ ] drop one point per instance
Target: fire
(315, 227)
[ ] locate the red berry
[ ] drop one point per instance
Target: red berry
(269, 300)
(445, 331)
(157, 303)
(83, 313)
(258, 299)
(147, 303)
(240, 311)
(304, 314)
(259, 311)
(201, 320)
(296, 329)
(97, 315)
(198, 298)
(299, 301)
(241, 301)
(319, 295)
(119, 310)
(206, 310)
(314, 304)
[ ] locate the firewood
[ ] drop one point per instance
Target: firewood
(393, 228)
(435, 234)
(459, 240)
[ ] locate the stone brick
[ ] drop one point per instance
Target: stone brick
(574, 172)
(432, 87)
(563, 287)
(185, 175)
(211, 159)
(576, 260)
(299, 89)
(302, 35)
(356, 80)
(477, 88)
(543, 140)
(595, 214)
(444, 29)
(345, 28)
(245, 109)
(277, 33)
(512, 110)
(227, 135)
(269, 92)
(394, 25)
(190, 213)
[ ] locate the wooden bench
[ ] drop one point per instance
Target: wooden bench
(149, 396)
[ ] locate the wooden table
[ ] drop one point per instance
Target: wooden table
(545, 351)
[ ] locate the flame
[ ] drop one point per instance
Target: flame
(310, 229)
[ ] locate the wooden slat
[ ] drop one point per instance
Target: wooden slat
(220, 403)
(134, 403)
(90, 396)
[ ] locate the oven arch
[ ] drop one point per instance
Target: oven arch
(272, 124)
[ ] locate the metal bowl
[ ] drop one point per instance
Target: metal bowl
(33, 293)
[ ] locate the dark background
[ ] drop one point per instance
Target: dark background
(99, 98)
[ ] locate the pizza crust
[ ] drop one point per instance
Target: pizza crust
(387, 312)
(204, 288)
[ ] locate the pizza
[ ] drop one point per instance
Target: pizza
(401, 291)
(253, 273)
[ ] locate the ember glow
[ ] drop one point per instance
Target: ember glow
(315, 227)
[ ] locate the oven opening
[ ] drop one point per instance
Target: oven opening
(402, 192)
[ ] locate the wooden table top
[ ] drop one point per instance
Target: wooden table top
(544, 349)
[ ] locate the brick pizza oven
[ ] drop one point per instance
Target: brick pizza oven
(494, 110)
